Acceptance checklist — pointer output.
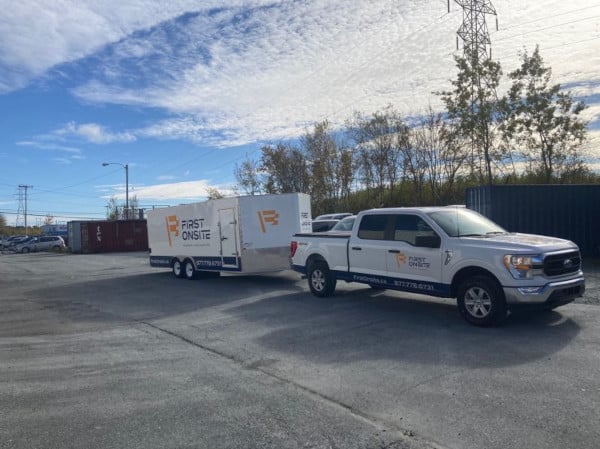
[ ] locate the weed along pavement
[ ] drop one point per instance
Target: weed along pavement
(102, 351)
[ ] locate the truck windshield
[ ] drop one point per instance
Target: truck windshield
(465, 223)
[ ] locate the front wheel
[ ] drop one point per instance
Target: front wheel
(25, 250)
(320, 280)
(481, 301)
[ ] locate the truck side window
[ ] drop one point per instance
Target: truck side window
(409, 227)
(372, 227)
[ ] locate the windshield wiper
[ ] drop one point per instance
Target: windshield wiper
(471, 235)
(496, 233)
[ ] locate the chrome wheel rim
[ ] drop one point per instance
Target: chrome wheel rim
(317, 280)
(189, 270)
(478, 302)
(177, 268)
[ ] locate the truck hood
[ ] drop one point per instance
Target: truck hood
(522, 242)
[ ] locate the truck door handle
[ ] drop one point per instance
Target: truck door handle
(357, 248)
(393, 251)
(223, 238)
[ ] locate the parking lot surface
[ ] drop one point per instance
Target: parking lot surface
(102, 351)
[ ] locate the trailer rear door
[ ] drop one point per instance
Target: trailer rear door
(228, 229)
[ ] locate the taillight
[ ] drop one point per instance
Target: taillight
(293, 248)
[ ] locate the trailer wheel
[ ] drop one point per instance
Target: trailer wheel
(320, 280)
(177, 268)
(189, 270)
(481, 301)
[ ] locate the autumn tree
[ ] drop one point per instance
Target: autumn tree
(444, 156)
(543, 121)
(212, 193)
(248, 176)
(112, 209)
(330, 166)
(379, 140)
(285, 169)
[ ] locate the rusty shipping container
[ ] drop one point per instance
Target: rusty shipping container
(107, 236)
(571, 212)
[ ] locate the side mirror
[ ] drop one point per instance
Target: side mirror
(428, 241)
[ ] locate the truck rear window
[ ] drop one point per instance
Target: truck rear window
(372, 227)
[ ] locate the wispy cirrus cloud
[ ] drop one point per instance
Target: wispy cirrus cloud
(36, 35)
(242, 74)
(188, 190)
(236, 72)
(93, 132)
(43, 144)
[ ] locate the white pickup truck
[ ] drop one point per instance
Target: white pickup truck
(449, 252)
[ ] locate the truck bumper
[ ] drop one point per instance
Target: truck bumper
(551, 295)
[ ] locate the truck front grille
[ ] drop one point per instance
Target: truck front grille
(559, 264)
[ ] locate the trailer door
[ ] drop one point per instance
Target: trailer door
(228, 233)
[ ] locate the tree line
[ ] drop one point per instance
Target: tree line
(533, 133)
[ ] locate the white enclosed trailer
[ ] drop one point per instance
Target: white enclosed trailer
(246, 234)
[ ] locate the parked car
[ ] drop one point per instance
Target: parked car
(337, 216)
(10, 241)
(323, 225)
(43, 243)
(345, 224)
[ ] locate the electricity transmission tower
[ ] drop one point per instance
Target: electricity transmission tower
(22, 205)
(474, 30)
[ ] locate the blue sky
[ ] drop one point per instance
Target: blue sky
(183, 90)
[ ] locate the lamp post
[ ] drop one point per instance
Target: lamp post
(126, 167)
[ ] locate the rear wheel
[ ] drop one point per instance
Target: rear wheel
(25, 250)
(481, 301)
(177, 268)
(320, 280)
(188, 270)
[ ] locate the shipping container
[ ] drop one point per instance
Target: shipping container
(567, 211)
(107, 236)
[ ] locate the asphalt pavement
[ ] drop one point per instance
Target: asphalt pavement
(102, 351)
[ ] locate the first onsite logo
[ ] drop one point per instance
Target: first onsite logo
(172, 227)
(190, 230)
(267, 216)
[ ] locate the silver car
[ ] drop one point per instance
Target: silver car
(43, 243)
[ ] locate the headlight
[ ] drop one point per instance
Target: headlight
(523, 266)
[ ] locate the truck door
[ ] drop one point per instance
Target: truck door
(228, 228)
(367, 251)
(414, 260)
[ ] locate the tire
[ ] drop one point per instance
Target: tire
(177, 268)
(25, 250)
(189, 271)
(481, 301)
(320, 280)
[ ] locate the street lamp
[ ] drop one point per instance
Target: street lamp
(126, 167)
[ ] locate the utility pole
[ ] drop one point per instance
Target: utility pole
(474, 30)
(23, 203)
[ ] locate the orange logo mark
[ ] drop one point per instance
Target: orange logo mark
(400, 258)
(267, 216)
(172, 227)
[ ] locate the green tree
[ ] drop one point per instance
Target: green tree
(474, 109)
(544, 121)
(3, 224)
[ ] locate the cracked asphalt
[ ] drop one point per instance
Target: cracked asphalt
(102, 351)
